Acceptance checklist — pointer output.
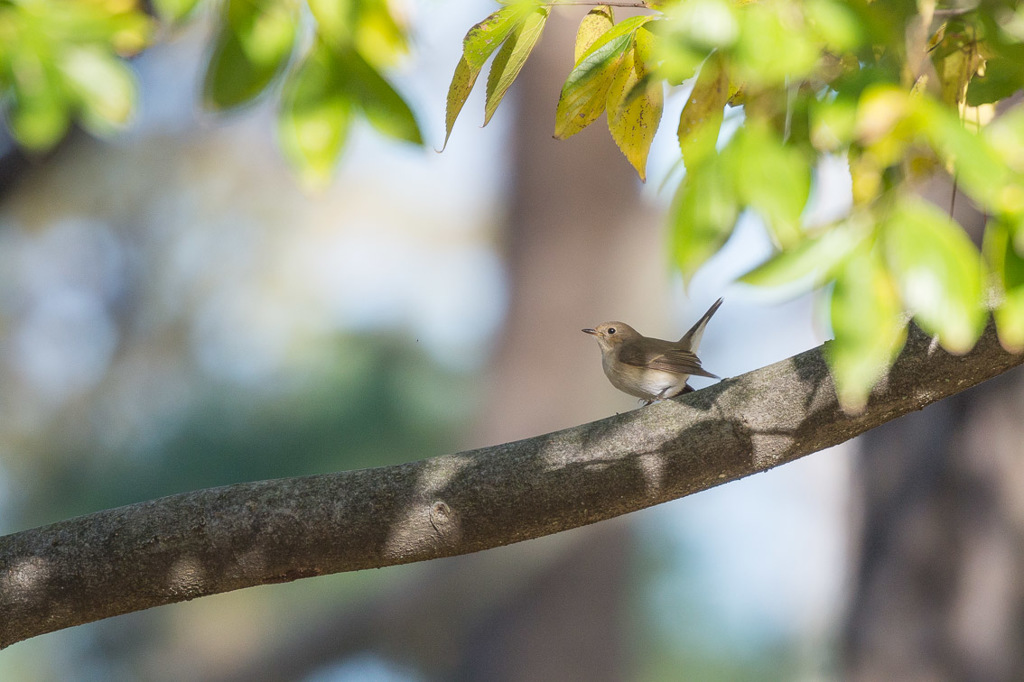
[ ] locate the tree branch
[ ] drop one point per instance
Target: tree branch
(210, 541)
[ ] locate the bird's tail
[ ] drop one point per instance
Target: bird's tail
(691, 339)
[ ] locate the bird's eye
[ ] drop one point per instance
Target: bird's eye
(611, 330)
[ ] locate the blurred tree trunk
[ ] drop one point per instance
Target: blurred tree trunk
(939, 590)
(580, 249)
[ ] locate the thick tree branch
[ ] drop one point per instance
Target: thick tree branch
(210, 541)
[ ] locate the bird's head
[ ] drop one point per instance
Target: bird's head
(612, 334)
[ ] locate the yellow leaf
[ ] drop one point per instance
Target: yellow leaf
(957, 60)
(594, 25)
(480, 42)
(585, 92)
(633, 118)
(511, 57)
(701, 120)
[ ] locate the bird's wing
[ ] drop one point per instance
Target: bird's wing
(632, 354)
(673, 360)
(680, 362)
(691, 339)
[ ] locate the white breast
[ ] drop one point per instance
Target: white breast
(650, 384)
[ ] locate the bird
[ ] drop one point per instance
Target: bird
(648, 368)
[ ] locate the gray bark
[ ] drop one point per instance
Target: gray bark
(210, 541)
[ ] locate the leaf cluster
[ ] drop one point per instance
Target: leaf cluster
(326, 85)
(62, 60)
(902, 90)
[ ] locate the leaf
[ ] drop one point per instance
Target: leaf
(104, 86)
(975, 162)
(383, 107)
(366, 25)
(379, 36)
(633, 119)
(698, 27)
(1001, 78)
(882, 122)
(773, 46)
(701, 119)
(868, 326)
(702, 216)
(174, 11)
(813, 259)
(598, 20)
(38, 114)
(956, 60)
(585, 92)
(771, 177)
(1005, 137)
(1007, 268)
(478, 45)
(252, 47)
(315, 115)
(834, 23)
(336, 20)
(938, 270)
(511, 57)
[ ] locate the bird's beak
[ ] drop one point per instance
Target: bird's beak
(589, 331)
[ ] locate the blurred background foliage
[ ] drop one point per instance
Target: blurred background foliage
(176, 313)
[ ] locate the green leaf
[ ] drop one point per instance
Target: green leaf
(38, 112)
(698, 27)
(834, 23)
(1002, 78)
(336, 20)
(884, 123)
(252, 47)
(174, 11)
(366, 25)
(1005, 137)
(938, 270)
(598, 21)
(103, 85)
(956, 60)
(511, 57)
(975, 162)
(380, 38)
(868, 325)
(480, 42)
(314, 118)
(772, 178)
(383, 107)
(633, 118)
(814, 259)
(585, 92)
(702, 216)
(1007, 268)
(701, 119)
(773, 46)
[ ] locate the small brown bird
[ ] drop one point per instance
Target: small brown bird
(651, 369)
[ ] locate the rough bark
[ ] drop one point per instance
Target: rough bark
(220, 539)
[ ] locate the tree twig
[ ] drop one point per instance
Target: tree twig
(595, 3)
(210, 541)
